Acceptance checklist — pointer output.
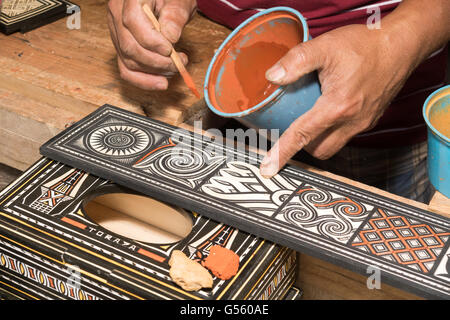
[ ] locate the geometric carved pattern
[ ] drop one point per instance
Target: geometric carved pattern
(176, 163)
(324, 212)
(241, 184)
(58, 190)
(443, 269)
(401, 239)
(119, 141)
(48, 201)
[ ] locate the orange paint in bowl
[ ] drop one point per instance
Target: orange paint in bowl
(250, 68)
(237, 78)
(235, 82)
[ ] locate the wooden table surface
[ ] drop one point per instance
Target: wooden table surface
(54, 76)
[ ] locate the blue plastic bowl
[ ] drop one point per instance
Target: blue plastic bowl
(281, 107)
(438, 144)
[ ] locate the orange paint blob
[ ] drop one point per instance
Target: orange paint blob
(250, 69)
(222, 262)
(237, 81)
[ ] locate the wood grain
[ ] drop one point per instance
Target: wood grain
(53, 76)
(321, 280)
(440, 204)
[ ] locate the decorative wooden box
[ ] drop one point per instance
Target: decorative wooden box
(51, 249)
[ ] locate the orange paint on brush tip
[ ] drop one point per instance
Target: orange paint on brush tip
(189, 82)
(174, 55)
(222, 262)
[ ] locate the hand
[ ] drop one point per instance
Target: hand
(360, 72)
(143, 53)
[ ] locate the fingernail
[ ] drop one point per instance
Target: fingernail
(161, 86)
(268, 168)
(276, 73)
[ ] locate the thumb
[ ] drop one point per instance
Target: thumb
(173, 16)
(300, 60)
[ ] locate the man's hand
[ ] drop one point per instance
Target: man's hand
(143, 53)
(360, 71)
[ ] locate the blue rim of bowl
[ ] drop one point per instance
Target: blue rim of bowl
(425, 116)
(228, 39)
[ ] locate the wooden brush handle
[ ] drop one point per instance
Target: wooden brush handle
(173, 55)
(152, 17)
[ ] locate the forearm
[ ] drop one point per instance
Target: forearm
(421, 27)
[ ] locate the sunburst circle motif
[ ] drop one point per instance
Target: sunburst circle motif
(118, 141)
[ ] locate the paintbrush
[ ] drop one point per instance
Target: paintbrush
(173, 55)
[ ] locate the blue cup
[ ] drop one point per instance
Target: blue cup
(437, 105)
(279, 109)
